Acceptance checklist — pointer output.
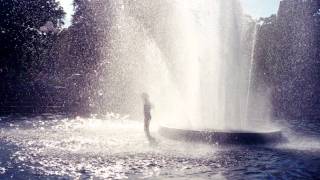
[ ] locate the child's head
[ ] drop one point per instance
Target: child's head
(145, 96)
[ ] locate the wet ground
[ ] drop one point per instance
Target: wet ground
(56, 147)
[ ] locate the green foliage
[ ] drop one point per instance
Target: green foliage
(287, 58)
(24, 47)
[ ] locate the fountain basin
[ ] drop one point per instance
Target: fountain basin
(223, 136)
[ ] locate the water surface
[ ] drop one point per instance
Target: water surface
(57, 147)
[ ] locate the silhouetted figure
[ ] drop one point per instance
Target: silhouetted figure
(147, 106)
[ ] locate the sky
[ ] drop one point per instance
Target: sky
(68, 8)
(260, 8)
(255, 8)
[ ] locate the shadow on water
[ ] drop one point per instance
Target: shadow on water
(256, 162)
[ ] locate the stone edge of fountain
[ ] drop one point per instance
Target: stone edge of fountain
(223, 137)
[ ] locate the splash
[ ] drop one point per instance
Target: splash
(192, 57)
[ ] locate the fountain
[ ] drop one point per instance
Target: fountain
(194, 58)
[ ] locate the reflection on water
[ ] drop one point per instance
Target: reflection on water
(51, 146)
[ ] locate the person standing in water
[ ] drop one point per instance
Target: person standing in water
(147, 106)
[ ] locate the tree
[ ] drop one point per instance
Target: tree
(23, 44)
(287, 59)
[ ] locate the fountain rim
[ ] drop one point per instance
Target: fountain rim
(238, 131)
(212, 136)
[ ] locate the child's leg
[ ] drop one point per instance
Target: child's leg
(146, 127)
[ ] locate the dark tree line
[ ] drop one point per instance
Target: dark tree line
(287, 58)
(42, 64)
(80, 52)
(27, 33)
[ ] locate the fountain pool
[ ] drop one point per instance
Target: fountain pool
(57, 147)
